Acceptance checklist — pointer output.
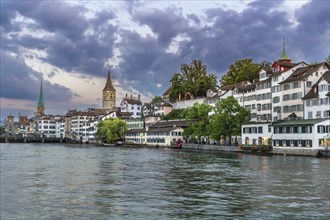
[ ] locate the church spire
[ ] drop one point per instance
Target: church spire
(284, 56)
(108, 85)
(41, 104)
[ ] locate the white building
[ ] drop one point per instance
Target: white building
(279, 91)
(162, 133)
(261, 109)
(213, 97)
(50, 126)
(299, 106)
(131, 105)
(256, 133)
(296, 86)
(307, 133)
(317, 100)
(162, 109)
(82, 125)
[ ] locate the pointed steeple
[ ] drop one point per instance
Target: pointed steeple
(108, 85)
(41, 104)
(284, 56)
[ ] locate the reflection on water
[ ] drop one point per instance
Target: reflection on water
(69, 182)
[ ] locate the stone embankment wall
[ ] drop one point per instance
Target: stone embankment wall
(187, 103)
(295, 151)
(211, 147)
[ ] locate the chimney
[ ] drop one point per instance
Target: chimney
(139, 97)
(131, 96)
(126, 95)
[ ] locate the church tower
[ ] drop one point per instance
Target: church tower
(284, 57)
(109, 95)
(41, 104)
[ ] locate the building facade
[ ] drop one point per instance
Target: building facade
(299, 107)
(132, 105)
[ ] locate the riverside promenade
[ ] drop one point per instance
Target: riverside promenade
(212, 147)
(275, 151)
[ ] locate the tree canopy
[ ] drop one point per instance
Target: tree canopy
(175, 114)
(111, 129)
(193, 79)
(328, 60)
(156, 99)
(199, 115)
(243, 70)
(228, 118)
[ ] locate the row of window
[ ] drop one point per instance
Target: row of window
(293, 130)
(264, 85)
(173, 133)
(260, 107)
(155, 140)
(324, 88)
(321, 129)
(47, 127)
(252, 130)
(292, 108)
(326, 114)
(132, 134)
(266, 117)
(47, 122)
(248, 98)
(263, 96)
(316, 102)
(138, 107)
(134, 125)
(292, 96)
(292, 86)
(293, 143)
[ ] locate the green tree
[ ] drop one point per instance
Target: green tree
(228, 118)
(111, 129)
(2, 130)
(175, 114)
(266, 65)
(242, 70)
(199, 115)
(194, 79)
(177, 87)
(328, 60)
(156, 99)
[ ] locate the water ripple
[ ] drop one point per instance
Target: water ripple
(49, 181)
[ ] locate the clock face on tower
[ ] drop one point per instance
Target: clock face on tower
(111, 95)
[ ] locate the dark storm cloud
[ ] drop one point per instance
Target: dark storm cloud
(233, 35)
(101, 17)
(86, 55)
(7, 14)
(265, 5)
(165, 24)
(31, 42)
(56, 16)
(18, 82)
(256, 32)
(145, 61)
(194, 18)
(70, 47)
(313, 30)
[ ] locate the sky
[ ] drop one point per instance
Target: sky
(70, 45)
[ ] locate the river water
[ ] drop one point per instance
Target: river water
(53, 181)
